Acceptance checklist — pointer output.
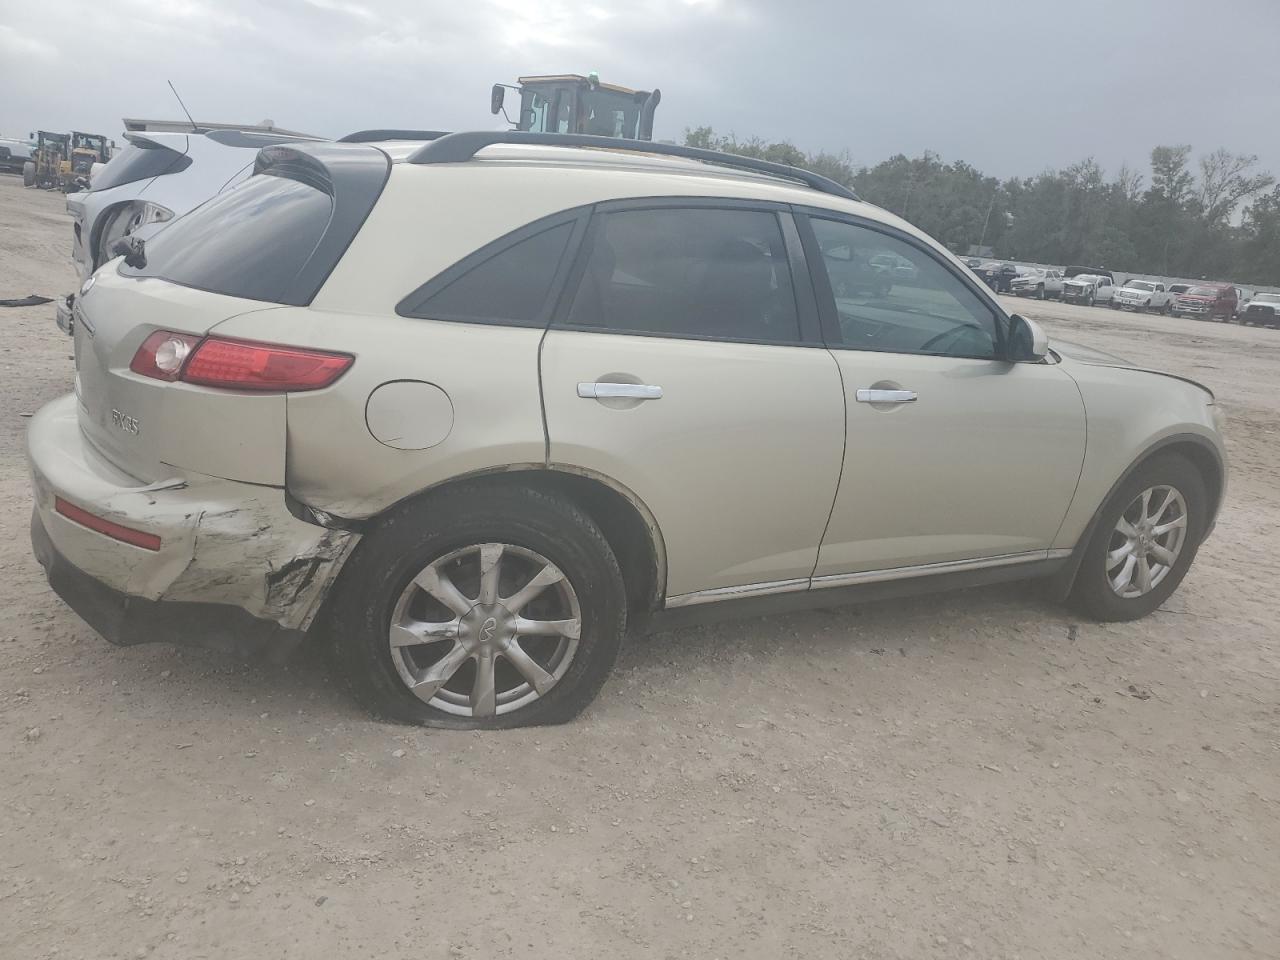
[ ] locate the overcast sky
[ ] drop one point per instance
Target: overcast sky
(1011, 87)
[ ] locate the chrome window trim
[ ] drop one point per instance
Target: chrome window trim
(863, 576)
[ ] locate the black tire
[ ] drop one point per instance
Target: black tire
(1164, 310)
(1092, 592)
(406, 541)
(1040, 291)
(1093, 301)
(28, 174)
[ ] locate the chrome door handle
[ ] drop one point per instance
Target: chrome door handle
(885, 396)
(621, 391)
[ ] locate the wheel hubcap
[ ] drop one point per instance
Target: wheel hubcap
(485, 630)
(1146, 541)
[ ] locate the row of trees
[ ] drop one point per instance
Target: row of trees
(1217, 217)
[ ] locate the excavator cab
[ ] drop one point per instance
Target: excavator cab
(571, 103)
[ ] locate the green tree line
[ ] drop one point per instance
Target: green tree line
(1216, 217)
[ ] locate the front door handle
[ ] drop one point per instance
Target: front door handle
(619, 391)
(865, 395)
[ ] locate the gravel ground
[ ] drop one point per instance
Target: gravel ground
(977, 774)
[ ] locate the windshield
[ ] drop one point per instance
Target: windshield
(1142, 285)
(1030, 272)
(1203, 292)
(1083, 278)
(568, 108)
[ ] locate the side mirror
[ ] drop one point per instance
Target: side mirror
(496, 96)
(1027, 341)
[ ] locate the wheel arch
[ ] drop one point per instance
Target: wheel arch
(1198, 450)
(623, 517)
(105, 216)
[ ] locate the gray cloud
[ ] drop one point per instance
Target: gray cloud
(1012, 87)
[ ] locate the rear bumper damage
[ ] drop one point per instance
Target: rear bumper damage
(235, 569)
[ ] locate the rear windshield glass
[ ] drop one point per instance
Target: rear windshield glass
(139, 161)
(249, 242)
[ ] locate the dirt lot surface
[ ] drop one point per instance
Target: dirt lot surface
(976, 774)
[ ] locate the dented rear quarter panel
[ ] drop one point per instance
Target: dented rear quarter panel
(334, 463)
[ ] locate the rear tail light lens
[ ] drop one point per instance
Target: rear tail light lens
(237, 364)
(244, 365)
(162, 354)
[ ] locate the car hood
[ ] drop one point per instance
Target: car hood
(1082, 354)
(1079, 353)
(1135, 291)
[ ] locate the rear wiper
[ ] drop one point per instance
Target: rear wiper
(133, 249)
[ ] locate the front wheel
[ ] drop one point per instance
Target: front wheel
(1146, 537)
(28, 174)
(484, 607)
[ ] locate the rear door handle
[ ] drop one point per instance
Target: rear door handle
(621, 391)
(866, 395)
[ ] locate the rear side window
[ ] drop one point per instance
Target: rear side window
(509, 286)
(140, 160)
(702, 272)
(248, 242)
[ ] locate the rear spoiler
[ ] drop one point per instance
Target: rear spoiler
(293, 164)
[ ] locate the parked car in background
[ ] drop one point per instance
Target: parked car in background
(1263, 310)
(157, 177)
(286, 422)
(1038, 282)
(14, 153)
(899, 268)
(1179, 288)
(1142, 295)
(1087, 285)
(1206, 302)
(996, 275)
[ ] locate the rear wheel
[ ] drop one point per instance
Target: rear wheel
(1146, 537)
(484, 607)
(28, 174)
(1040, 292)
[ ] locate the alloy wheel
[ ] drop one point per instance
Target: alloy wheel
(1146, 541)
(485, 630)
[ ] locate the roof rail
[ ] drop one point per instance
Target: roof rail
(367, 136)
(461, 147)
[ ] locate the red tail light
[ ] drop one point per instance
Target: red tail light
(237, 364)
(162, 355)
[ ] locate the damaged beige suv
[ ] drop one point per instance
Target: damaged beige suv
(470, 408)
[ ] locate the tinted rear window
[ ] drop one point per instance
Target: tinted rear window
(248, 242)
(139, 161)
